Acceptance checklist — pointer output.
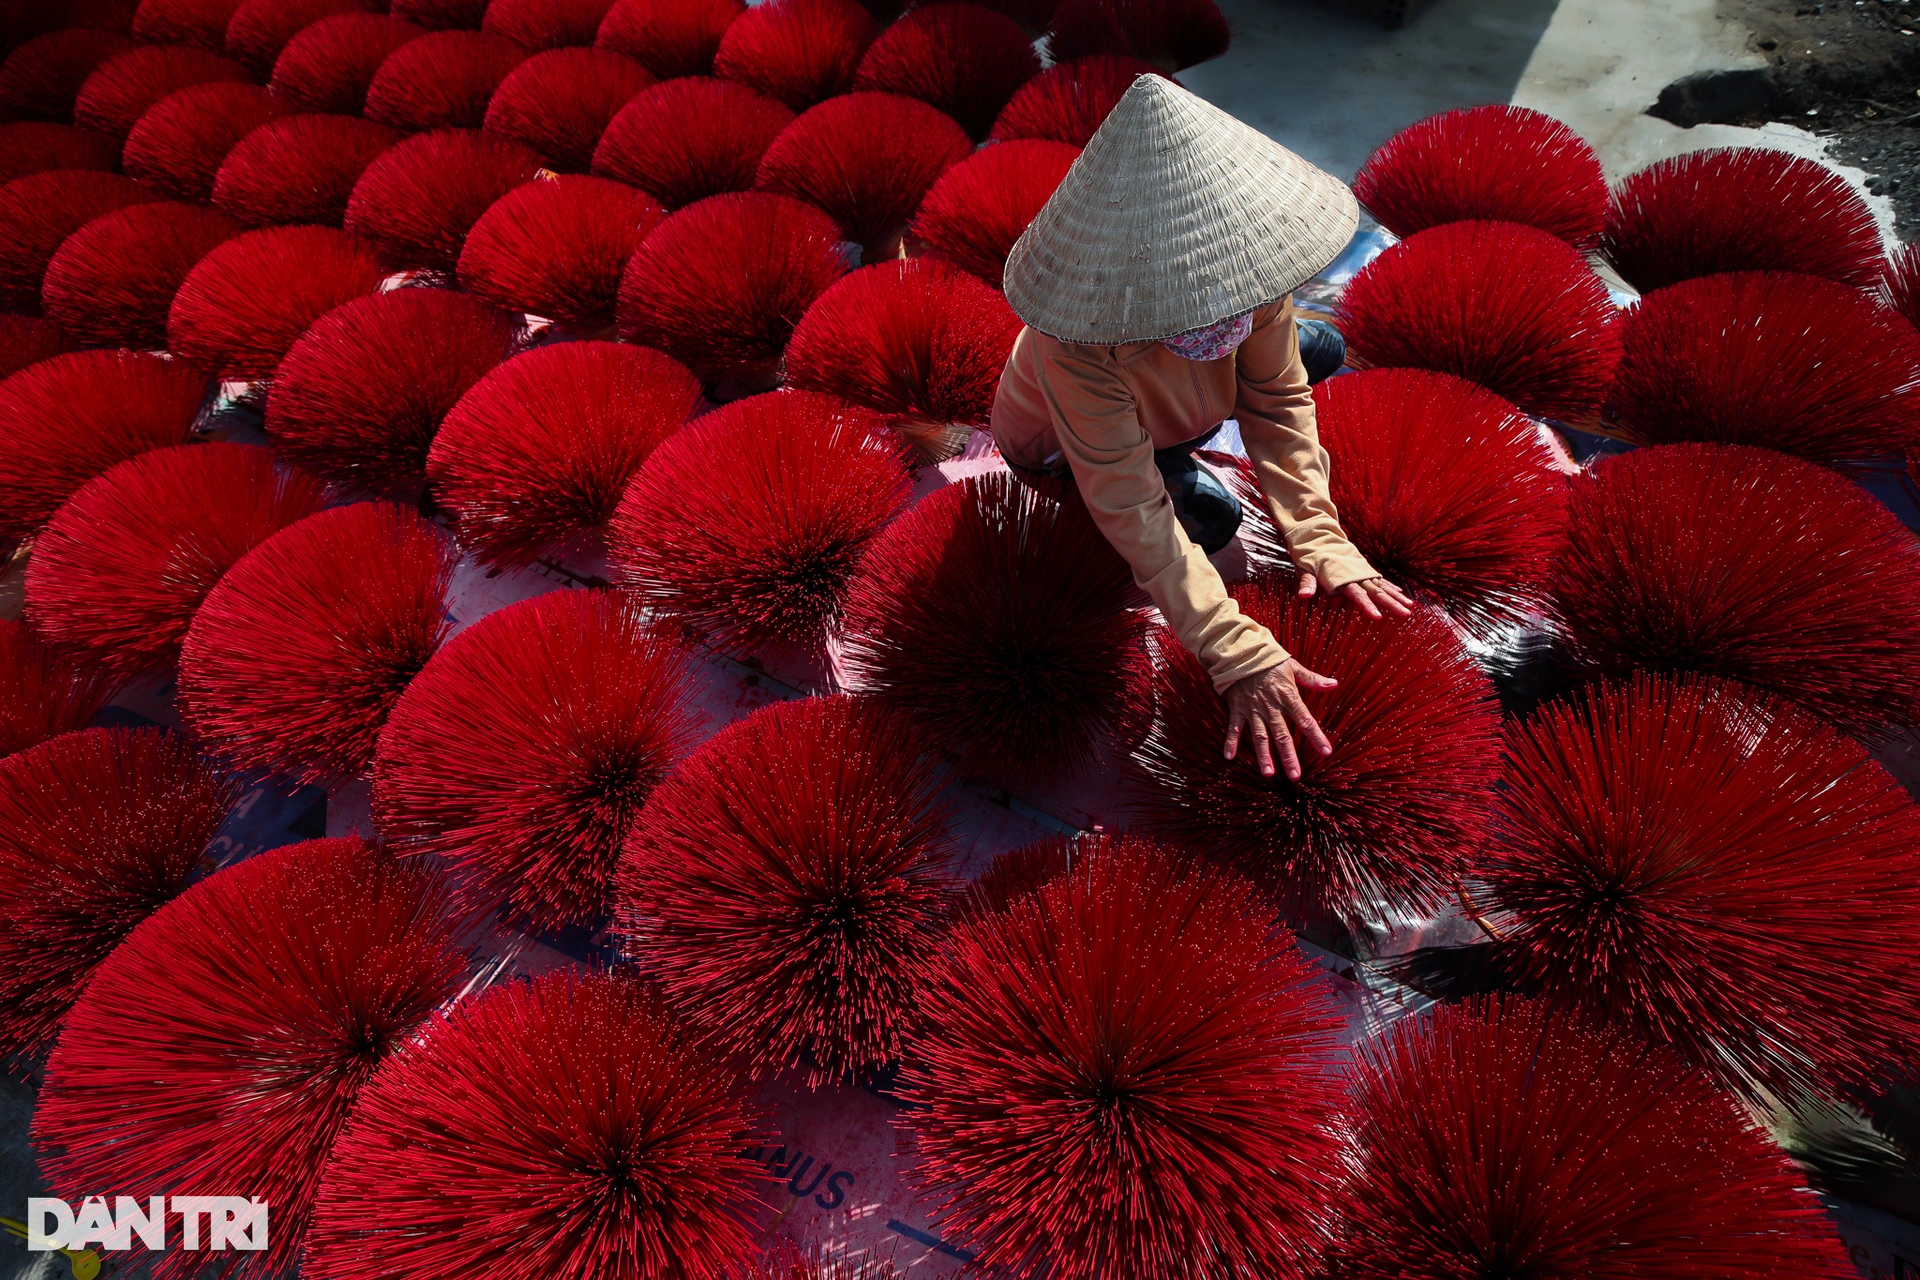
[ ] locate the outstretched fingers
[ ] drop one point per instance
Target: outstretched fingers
(1308, 728)
(1396, 601)
(1289, 758)
(1362, 599)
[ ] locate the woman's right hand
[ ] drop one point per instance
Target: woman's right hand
(1264, 704)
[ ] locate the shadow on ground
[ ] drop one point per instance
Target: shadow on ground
(1327, 79)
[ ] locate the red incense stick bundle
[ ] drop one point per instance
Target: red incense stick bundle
(523, 751)
(547, 1125)
(1000, 621)
(98, 829)
(1510, 307)
(1780, 361)
(41, 79)
(917, 340)
(559, 102)
(799, 51)
(1739, 209)
(671, 38)
(42, 693)
(443, 80)
(66, 419)
(125, 86)
(114, 280)
(1069, 100)
(558, 248)
(226, 1041)
(1499, 1137)
(298, 654)
(178, 145)
(749, 524)
(962, 58)
(1136, 995)
(1671, 858)
(120, 569)
(721, 284)
(976, 210)
(1492, 164)
(787, 886)
(1388, 821)
(684, 140)
(1678, 569)
(416, 201)
(868, 159)
(535, 456)
(329, 66)
(252, 297)
(300, 169)
(358, 398)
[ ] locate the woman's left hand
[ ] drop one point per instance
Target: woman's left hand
(1370, 595)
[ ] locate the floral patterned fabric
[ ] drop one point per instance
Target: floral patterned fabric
(1211, 341)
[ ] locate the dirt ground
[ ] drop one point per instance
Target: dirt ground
(1848, 69)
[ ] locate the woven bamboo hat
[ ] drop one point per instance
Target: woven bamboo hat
(1176, 215)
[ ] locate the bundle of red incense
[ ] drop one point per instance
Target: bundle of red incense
(560, 102)
(535, 456)
(523, 752)
(443, 80)
(98, 829)
(359, 397)
(546, 1126)
(1678, 568)
(225, 1042)
(748, 524)
(416, 201)
(298, 654)
(787, 886)
(178, 145)
(1672, 857)
(1140, 995)
(999, 621)
(65, 420)
(120, 569)
(1497, 1138)
(1388, 820)
(558, 248)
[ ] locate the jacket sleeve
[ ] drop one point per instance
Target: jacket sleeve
(1274, 405)
(1112, 460)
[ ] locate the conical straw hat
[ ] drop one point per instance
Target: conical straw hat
(1175, 216)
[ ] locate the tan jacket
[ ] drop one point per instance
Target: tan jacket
(1106, 409)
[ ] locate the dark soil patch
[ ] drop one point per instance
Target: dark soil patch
(1846, 69)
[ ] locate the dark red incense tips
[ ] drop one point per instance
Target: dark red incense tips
(1499, 1137)
(1497, 163)
(524, 750)
(294, 660)
(787, 886)
(1385, 823)
(1140, 995)
(638, 1166)
(97, 830)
